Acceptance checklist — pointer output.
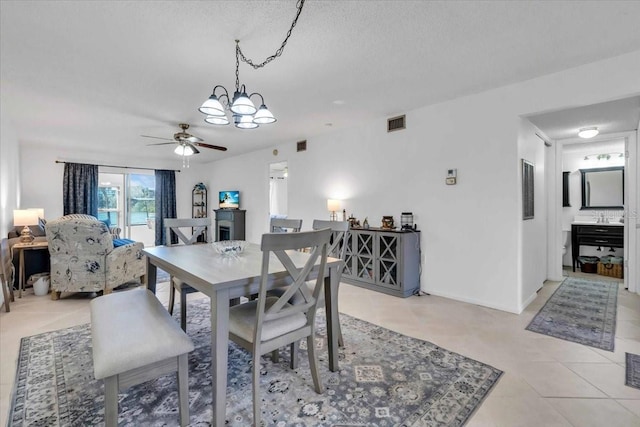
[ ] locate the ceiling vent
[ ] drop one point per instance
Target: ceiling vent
(302, 145)
(396, 123)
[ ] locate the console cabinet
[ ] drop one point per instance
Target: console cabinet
(604, 235)
(383, 260)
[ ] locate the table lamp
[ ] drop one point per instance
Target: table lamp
(333, 206)
(25, 218)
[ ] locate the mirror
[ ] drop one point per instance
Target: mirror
(603, 188)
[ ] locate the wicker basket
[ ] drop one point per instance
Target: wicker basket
(611, 270)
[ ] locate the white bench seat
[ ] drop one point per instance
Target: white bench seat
(136, 340)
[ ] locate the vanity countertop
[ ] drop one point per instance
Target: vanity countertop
(619, 224)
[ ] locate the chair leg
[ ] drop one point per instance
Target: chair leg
(294, 360)
(340, 339)
(55, 295)
(183, 389)
(111, 401)
(275, 356)
(313, 363)
(183, 309)
(256, 389)
(172, 296)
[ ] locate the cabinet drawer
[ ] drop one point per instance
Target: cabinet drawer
(601, 240)
(610, 230)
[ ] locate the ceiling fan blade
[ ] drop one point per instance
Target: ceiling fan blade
(161, 143)
(195, 150)
(213, 147)
(157, 137)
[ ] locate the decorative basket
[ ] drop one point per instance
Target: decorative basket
(611, 270)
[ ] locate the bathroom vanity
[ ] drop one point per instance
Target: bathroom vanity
(610, 235)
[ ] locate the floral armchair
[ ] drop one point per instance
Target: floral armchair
(83, 258)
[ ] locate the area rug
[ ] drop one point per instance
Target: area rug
(385, 379)
(582, 311)
(633, 370)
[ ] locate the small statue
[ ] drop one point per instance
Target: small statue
(365, 223)
(387, 222)
(353, 222)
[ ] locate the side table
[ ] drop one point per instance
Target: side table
(25, 247)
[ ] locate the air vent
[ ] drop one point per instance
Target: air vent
(302, 145)
(396, 123)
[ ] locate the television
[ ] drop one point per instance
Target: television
(229, 199)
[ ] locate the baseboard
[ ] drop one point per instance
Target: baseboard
(472, 301)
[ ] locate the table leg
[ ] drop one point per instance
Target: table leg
(219, 353)
(21, 273)
(331, 307)
(151, 276)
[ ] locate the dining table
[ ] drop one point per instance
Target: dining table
(225, 277)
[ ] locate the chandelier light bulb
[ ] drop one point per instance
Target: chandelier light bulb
(587, 133)
(245, 122)
(242, 104)
(215, 120)
(183, 150)
(263, 116)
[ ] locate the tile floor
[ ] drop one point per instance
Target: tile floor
(547, 381)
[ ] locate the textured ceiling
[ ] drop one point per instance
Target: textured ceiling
(98, 74)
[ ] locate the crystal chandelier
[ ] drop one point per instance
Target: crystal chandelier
(243, 112)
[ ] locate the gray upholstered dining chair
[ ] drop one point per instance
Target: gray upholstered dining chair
(285, 225)
(188, 230)
(263, 325)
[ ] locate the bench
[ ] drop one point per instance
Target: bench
(136, 340)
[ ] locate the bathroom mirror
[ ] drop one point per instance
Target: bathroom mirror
(603, 188)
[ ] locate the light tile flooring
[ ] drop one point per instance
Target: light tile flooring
(547, 381)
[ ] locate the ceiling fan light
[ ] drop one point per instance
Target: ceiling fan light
(263, 116)
(184, 150)
(245, 122)
(587, 133)
(242, 104)
(215, 120)
(212, 107)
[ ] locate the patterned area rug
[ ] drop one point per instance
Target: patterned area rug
(633, 370)
(386, 379)
(582, 311)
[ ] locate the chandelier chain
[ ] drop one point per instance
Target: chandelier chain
(275, 55)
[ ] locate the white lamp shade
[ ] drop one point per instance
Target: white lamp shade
(263, 116)
(40, 212)
(333, 205)
(217, 120)
(24, 217)
(183, 150)
(587, 133)
(212, 107)
(242, 104)
(246, 122)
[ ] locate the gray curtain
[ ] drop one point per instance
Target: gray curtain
(165, 202)
(80, 189)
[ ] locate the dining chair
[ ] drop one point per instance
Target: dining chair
(7, 273)
(285, 225)
(188, 230)
(263, 325)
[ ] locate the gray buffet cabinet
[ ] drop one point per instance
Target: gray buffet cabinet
(383, 260)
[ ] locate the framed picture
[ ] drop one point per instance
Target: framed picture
(527, 190)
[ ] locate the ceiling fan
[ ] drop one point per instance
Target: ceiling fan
(186, 142)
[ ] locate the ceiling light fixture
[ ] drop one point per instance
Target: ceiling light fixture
(243, 112)
(587, 133)
(185, 151)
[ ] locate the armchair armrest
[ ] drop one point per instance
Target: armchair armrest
(125, 263)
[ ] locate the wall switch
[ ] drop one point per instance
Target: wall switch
(452, 173)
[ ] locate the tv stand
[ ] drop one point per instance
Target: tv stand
(230, 224)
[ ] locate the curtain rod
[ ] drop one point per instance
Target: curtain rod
(123, 167)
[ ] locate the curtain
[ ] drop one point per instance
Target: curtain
(80, 189)
(165, 202)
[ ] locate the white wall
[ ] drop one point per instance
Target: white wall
(9, 177)
(532, 232)
(473, 242)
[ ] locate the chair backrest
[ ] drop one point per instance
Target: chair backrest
(285, 225)
(277, 244)
(338, 241)
(193, 227)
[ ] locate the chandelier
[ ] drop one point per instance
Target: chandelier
(242, 110)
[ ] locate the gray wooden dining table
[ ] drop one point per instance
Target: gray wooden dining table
(224, 277)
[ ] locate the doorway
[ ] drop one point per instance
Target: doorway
(278, 189)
